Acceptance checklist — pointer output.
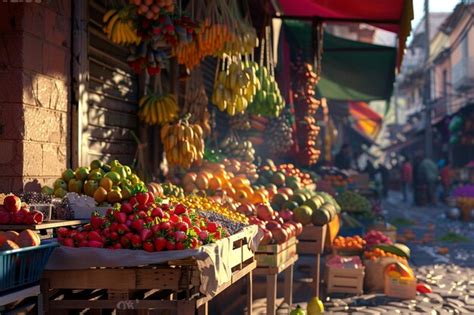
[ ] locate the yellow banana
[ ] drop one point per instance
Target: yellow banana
(111, 24)
(159, 110)
(107, 15)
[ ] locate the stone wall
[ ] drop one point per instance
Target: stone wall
(35, 46)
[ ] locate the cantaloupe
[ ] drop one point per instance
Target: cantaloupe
(28, 238)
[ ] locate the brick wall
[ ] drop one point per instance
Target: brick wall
(35, 45)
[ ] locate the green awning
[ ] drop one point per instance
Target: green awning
(350, 70)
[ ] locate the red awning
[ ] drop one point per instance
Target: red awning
(366, 120)
(391, 15)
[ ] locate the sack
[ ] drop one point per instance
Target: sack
(374, 273)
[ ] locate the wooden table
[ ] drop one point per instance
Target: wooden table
(21, 294)
(273, 260)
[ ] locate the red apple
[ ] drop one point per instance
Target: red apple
(280, 235)
(264, 212)
(254, 220)
(12, 203)
(267, 237)
(272, 225)
(299, 227)
(290, 228)
(245, 209)
(286, 215)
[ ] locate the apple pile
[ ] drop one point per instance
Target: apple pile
(374, 237)
(140, 223)
(14, 212)
(277, 227)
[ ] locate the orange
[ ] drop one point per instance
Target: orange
(215, 183)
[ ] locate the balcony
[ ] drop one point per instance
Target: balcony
(463, 74)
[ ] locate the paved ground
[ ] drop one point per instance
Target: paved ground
(448, 267)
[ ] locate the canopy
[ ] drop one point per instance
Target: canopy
(365, 119)
(391, 15)
(350, 70)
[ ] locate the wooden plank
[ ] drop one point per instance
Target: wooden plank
(19, 295)
(43, 226)
(101, 117)
(273, 270)
(250, 292)
(312, 233)
(166, 278)
(288, 285)
(111, 304)
(91, 279)
(276, 248)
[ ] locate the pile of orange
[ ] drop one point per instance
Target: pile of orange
(350, 242)
(377, 253)
(291, 170)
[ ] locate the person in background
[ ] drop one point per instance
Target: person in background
(445, 176)
(343, 159)
(428, 174)
(407, 178)
(416, 180)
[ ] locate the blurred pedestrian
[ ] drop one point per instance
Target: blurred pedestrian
(446, 179)
(428, 176)
(385, 179)
(343, 159)
(407, 178)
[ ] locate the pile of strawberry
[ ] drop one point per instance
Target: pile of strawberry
(141, 223)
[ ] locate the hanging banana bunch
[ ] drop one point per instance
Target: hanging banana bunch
(157, 109)
(183, 143)
(119, 28)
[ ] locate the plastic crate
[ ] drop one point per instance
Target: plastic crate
(24, 266)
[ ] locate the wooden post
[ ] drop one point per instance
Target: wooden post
(186, 307)
(271, 294)
(250, 292)
(204, 309)
(289, 285)
(317, 276)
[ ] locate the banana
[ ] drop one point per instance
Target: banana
(108, 15)
(111, 24)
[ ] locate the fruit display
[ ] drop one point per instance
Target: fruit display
(240, 122)
(119, 27)
(110, 183)
(292, 171)
(171, 190)
(140, 223)
(183, 143)
(151, 8)
(222, 30)
(206, 204)
(13, 211)
(235, 86)
(13, 240)
(278, 136)
(276, 229)
(237, 167)
(157, 109)
(353, 202)
(396, 249)
(268, 100)
(376, 253)
(374, 237)
(239, 149)
(349, 243)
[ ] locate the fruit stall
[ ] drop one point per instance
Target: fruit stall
(222, 188)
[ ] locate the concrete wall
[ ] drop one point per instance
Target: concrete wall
(35, 45)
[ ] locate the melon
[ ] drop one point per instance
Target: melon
(8, 245)
(28, 238)
(320, 217)
(302, 215)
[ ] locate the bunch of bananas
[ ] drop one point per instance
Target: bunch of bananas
(158, 109)
(235, 87)
(241, 150)
(183, 143)
(119, 28)
(268, 100)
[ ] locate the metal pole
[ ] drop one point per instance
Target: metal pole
(427, 98)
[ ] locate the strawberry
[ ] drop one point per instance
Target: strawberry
(83, 243)
(78, 237)
(160, 243)
(182, 226)
(122, 229)
(96, 221)
(5, 216)
(196, 230)
(203, 235)
(126, 208)
(133, 202)
(120, 217)
(180, 236)
(117, 246)
(151, 197)
(145, 234)
(62, 232)
(114, 236)
(212, 227)
(180, 246)
(142, 198)
(136, 241)
(155, 229)
(94, 236)
(125, 242)
(148, 246)
(175, 218)
(170, 245)
(157, 213)
(113, 227)
(186, 219)
(137, 225)
(180, 209)
(67, 242)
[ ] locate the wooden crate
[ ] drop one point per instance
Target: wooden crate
(311, 241)
(154, 289)
(341, 280)
(333, 229)
(275, 255)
